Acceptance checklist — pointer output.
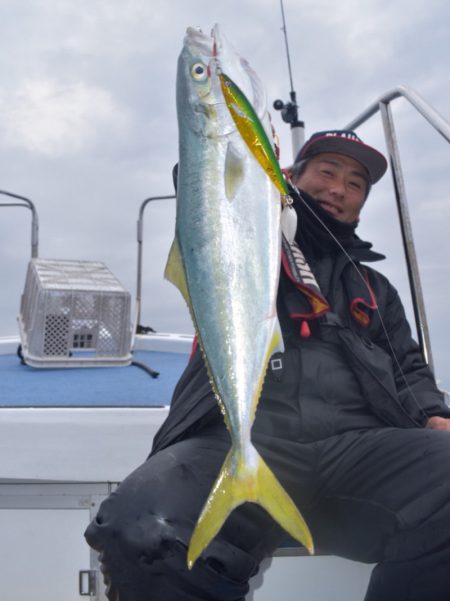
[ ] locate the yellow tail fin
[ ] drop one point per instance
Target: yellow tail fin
(237, 484)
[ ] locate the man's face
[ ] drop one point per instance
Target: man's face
(337, 182)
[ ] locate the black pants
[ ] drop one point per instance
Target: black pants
(368, 492)
(380, 495)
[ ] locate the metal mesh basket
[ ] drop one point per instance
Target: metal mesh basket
(74, 313)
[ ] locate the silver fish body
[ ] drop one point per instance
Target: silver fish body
(226, 259)
(228, 229)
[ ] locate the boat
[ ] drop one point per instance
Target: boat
(71, 429)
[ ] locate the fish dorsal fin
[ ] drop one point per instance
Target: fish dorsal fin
(174, 271)
(234, 170)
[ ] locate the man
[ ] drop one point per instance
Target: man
(350, 420)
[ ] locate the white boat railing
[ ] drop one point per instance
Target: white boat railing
(442, 127)
(25, 203)
(140, 240)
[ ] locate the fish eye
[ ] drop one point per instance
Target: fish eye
(199, 72)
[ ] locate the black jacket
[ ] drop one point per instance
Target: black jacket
(387, 363)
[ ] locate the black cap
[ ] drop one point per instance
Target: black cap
(346, 142)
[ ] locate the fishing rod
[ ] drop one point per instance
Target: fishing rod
(289, 110)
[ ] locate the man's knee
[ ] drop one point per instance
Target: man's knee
(158, 503)
(138, 537)
(144, 556)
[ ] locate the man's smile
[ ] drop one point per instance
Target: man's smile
(329, 207)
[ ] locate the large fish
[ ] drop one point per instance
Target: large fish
(225, 260)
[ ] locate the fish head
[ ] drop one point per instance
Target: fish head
(200, 102)
(200, 105)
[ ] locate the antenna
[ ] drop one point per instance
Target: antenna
(289, 110)
(284, 30)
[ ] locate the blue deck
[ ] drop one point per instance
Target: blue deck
(24, 386)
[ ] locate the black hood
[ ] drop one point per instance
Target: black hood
(321, 233)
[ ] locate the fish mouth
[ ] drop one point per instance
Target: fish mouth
(198, 42)
(217, 39)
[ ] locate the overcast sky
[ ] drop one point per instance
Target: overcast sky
(88, 127)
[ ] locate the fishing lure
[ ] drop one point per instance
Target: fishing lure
(257, 140)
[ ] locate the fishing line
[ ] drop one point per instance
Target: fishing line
(383, 325)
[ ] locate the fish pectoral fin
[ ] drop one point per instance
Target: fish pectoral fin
(234, 170)
(174, 271)
(236, 485)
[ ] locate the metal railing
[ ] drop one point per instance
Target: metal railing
(140, 241)
(443, 127)
(27, 204)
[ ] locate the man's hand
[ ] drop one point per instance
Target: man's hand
(438, 423)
